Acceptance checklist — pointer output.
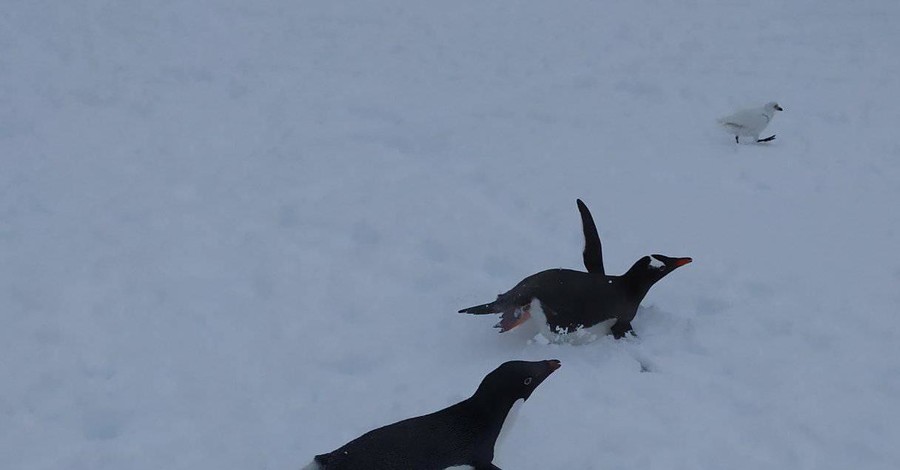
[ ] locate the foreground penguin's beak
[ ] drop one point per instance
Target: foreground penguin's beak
(553, 364)
(679, 262)
(779, 108)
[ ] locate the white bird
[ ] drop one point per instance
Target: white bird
(751, 122)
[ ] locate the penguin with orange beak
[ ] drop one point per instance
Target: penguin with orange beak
(570, 300)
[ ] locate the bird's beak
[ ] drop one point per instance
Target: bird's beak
(779, 108)
(682, 261)
(552, 365)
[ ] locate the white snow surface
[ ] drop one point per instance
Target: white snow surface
(235, 234)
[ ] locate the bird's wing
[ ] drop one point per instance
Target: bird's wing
(752, 118)
(593, 251)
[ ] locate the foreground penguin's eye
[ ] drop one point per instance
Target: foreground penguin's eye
(528, 381)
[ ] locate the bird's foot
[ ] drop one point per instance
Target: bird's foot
(513, 317)
(767, 139)
(621, 328)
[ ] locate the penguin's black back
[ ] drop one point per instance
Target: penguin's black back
(573, 298)
(436, 441)
(462, 434)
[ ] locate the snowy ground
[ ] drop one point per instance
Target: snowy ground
(235, 234)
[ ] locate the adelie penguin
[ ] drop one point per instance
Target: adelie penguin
(571, 300)
(463, 434)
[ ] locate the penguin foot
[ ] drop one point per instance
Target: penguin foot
(621, 328)
(513, 317)
(767, 139)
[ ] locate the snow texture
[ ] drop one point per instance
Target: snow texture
(235, 234)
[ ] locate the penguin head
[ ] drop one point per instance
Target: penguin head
(772, 106)
(516, 379)
(650, 269)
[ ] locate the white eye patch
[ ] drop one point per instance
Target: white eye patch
(656, 263)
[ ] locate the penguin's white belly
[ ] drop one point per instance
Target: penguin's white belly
(508, 424)
(579, 336)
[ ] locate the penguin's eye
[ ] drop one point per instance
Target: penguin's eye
(528, 381)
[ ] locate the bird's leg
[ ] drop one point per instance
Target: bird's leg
(737, 139)
(620, 328)
(767, 139)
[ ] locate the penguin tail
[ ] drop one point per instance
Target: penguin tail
(482, 309)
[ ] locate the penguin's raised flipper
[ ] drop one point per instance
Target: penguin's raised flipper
(593, 252)
(620, 329)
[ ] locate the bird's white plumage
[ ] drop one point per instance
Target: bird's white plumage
(508, 424)
(750, 122)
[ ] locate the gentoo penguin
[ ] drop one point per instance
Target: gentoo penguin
(571, 300)
(463, 434)
(751, 122)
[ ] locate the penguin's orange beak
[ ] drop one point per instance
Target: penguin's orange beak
(682, 261)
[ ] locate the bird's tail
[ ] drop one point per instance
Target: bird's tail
(482, 309)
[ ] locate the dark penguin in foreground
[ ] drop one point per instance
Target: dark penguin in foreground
(463, 434)
(571, 300)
